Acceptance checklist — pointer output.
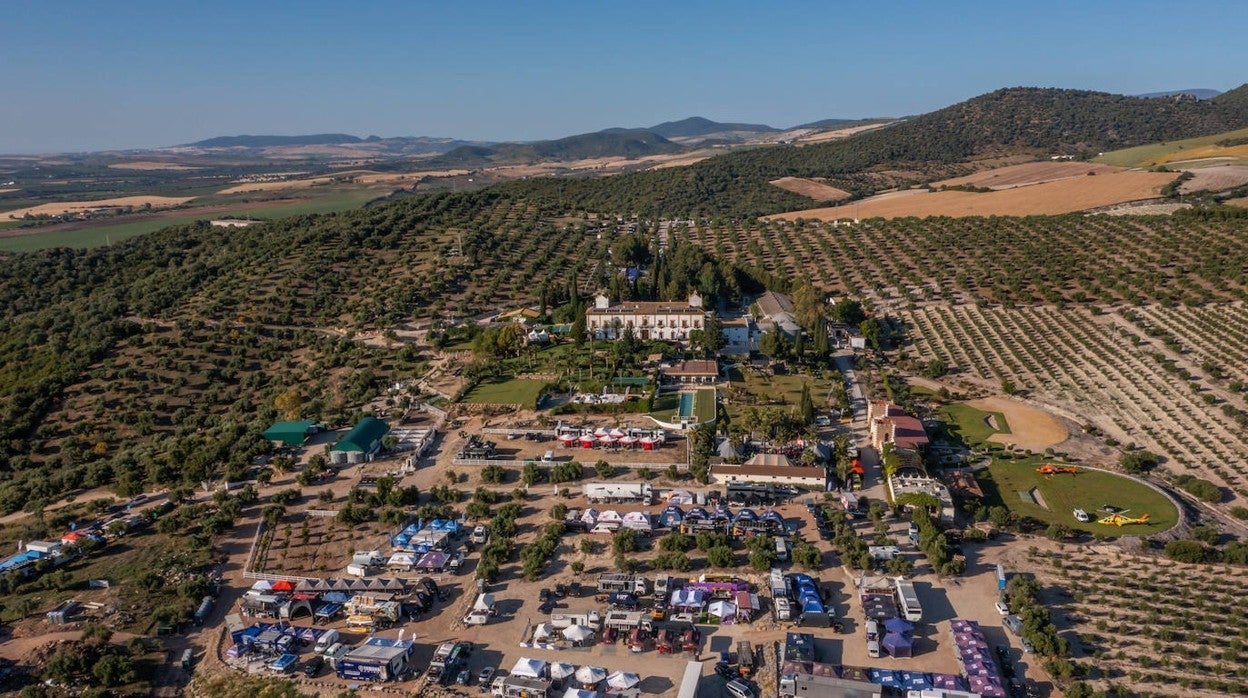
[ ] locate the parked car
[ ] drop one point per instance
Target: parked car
(726, 671)
(313, 666)
(739, 689)
(1002, 608)
(485, 676)
(464, 678)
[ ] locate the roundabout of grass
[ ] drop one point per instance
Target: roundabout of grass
(1008, 482)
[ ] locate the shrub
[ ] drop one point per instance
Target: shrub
(720, 556)
(1138, 462)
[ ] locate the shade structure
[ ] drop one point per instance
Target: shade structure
(722, 609)
(283, 585)
(679, 497)
(618, 433)
(590, 516)
(589, 676)
(434, 559)
(648, 443)
(567, 438)
(610, 515)
(336, 597)
(622, 680)
(601, 431)
(530, 667)
(588, 441)
(402, 560)
(898, 645)
(885, 677)
(898, 625)
(606, 439)
(577, 633)
(627, 441)
(688, 598)
(697, 513)
(561, 670)
(543, 631)
(671, 517)
(263, 585)
(746, 514)
(579, 693)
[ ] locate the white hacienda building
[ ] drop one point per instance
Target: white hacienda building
(665, 320)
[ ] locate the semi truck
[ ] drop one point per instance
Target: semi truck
(908, 601)
(627, 583)
(612, 492)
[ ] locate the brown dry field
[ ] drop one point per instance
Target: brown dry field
(841, 133)
(811, 188)
(59, 208)
(1030, 428)
(1050, 198)
(1216, 178)
(1242, 202)
(359, 177)
(150, 165)
(6, 191)
(1029, 173)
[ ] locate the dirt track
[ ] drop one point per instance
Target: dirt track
(1030, 428)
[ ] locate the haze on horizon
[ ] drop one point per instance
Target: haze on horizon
(82, 76)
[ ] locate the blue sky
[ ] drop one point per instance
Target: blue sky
(78, 75)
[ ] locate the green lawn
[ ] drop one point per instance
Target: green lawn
(972, 424)
(513, 391)
(1063, 493)
(704, 405)
(783, 389)
(667, 406)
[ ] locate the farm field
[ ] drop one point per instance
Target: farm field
(1073, 259)
(1216, 178)
(1161, 628)
(814, 189)
(1028, 173)
(1025, 427)
(63, 207)
(1017, 486)
(1096, 370)
(1156, 153)
(103, 231)
(1048, 198)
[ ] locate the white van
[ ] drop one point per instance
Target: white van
(324, 642)
(873, 649)
(334, 652)
(782, 549)
(548, 457)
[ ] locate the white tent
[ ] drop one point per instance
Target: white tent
(679, 497)
(638, 521)
(527, 666)
(622, 680)
(262, 585)
(579, 693)
(561, 670)
(577, 633)
(402, 560)
(688, 598)
(590, 675)
(610, 515)
(543, 631)
(722, 609)
(590, 516)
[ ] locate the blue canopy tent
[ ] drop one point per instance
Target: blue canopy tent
(898, 625)
(746, 514)
(722, 513)
(885, 677)
(671, 517)
(898, 645)
(916, 681)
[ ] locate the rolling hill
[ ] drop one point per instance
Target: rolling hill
(626, 143)
(271, 141)
(699, 126)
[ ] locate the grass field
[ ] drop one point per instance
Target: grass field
(106, 233)
(1063, 493)
(1153, 153)
(783, 389)
(972, 424)
(514, 391)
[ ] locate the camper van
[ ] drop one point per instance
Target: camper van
(782, 549)
(326, 641)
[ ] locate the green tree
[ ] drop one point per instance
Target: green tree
(806, 406)
(720, 556)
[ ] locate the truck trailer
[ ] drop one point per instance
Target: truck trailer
(626, 583)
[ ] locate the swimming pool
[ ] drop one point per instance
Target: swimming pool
(686, 405)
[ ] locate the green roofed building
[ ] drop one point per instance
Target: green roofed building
(289, 433)
(361, 443)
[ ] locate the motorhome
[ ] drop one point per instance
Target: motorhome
(592, 620)
(628, 583)
(327, 640)
(619, 492)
